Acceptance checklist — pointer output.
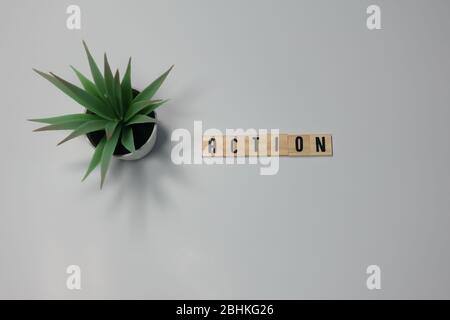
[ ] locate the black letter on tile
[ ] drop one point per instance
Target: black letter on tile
(320, 144)
(299, 144)
(235, 141)
(256, 139)
(212, 145)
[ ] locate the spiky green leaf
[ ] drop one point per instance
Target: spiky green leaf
(87, 127)
(118, 91)
(107, 154)
(109, 82)
(140, 118)
(127, 93)
(109, 128)
(128, 139)
(57, 84)
(136, 107)
(63, 126)
(67, 118)
(96, 74)
(87, 84)
(152, 107)
(89, 101)
(96, 158)
(150, 91)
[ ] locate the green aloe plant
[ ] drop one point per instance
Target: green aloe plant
(110, 106)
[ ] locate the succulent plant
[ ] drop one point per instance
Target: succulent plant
(110, 107)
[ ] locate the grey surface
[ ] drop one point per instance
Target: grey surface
(163, 231)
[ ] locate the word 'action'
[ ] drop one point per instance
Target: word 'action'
(267, 145)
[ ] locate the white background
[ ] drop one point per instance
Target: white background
(158, 230)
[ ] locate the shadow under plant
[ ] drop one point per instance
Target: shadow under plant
(144, 179)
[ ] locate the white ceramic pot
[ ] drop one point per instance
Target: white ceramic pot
(143, 150)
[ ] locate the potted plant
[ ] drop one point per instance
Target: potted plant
(118, 121)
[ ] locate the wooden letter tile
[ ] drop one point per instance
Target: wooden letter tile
(258, 145)
(235, 146)
(299, 145)
(321, 145)
(278, 145)
(213, 146)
